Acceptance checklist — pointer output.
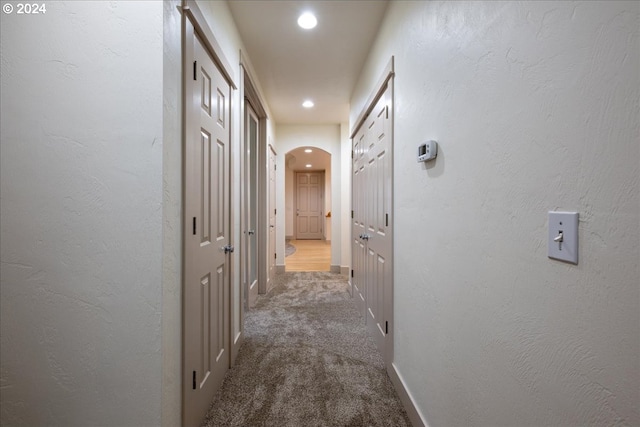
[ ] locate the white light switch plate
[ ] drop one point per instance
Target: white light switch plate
(567, 224)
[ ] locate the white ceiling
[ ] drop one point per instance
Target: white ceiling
(322, 64)
(297, 159)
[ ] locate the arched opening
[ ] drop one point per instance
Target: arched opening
(308, 209)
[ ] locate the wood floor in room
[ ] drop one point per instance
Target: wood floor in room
(310, 255)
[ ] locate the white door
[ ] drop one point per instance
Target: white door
(272, 216)
(378, 240)
(371, 226)
(206, 232)
(358, 220)
(251, 194)
(309, 197)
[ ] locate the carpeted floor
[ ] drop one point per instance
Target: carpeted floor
(307, 361)
(289, 249)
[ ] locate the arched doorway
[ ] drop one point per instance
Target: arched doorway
(308, 209)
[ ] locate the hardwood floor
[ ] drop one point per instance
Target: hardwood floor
(310, 255)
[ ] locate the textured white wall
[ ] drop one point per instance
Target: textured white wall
(81, 214)
(326, 137)
(535, 108)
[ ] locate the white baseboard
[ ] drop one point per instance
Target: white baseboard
(280, 269)
(335, 269)
(344, 270)
(415, 416)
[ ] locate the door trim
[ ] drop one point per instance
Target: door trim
(380, 87)
(192, 12)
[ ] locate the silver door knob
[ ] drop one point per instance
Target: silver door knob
(227, 249)
(251, 232)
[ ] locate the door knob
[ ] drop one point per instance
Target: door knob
(227, 249)
(251, 232)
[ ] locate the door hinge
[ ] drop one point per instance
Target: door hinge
(275, 167)
(386, 220)
(275, 256)
(352, 154)
(386, 327)
(387, 112)
(195, 70)
(351, 214)
(351, 272)
(275, 211)
(194, 380)
(194, 225)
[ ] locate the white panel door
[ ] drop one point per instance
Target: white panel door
(371, 227)
(272, 217)
(206, 233)
(379, 243)
(358, 228)
(250, 250)
(309, 192)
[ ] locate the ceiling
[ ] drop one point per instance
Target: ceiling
(321, 64)
(297, 159)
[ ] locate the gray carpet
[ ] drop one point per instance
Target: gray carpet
(289, 249)
(306, 361)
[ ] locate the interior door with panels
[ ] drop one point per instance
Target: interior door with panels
(206, 289)
(372, 201)
(309, 199)
(358, 222)
(379, 244)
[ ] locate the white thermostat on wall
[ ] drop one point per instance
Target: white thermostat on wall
(427, 151)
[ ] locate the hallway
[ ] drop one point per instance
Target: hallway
(534, 107)
(307, 360)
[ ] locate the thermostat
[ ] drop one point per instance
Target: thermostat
(427, 151)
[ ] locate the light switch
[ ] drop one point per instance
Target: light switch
(563, 236)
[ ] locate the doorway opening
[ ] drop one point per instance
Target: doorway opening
(308, 209)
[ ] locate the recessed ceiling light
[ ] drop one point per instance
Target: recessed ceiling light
(307, 21)
(308, 166)
(308, 103)
(308, 150)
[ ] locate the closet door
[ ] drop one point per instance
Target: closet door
(378, 211)
(207, 284)
(372, 245)
(358, 221)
